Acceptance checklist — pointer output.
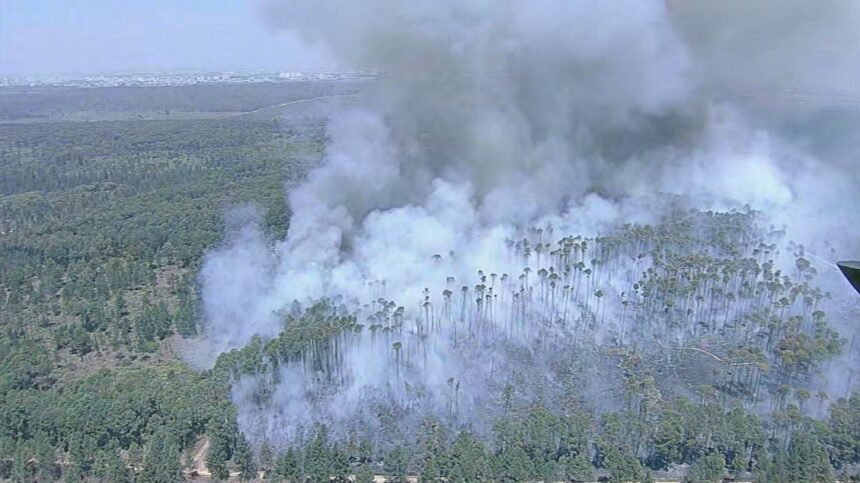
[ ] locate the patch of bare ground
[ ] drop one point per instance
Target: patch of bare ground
(197, 464)
(73, 366)
(107, 353)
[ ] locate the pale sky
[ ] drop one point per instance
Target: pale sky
(39, 37)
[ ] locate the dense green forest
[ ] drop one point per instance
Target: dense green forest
(103, 226)
(42, 104)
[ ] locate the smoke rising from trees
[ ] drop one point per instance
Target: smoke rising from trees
(491, 120)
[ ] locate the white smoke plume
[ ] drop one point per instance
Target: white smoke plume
(492, 116)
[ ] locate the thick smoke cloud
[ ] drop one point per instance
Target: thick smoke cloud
(772, 44)
(492, 116)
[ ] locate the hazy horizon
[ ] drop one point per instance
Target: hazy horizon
(74, 37)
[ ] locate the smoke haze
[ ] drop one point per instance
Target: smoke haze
(491, 117)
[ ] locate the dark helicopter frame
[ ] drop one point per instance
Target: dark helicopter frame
(851, 270)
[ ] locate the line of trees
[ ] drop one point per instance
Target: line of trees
(102, 227)
(703, 442)
(733, 333)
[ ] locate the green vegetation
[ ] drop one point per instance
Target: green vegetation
(102, 230)
(50, 104)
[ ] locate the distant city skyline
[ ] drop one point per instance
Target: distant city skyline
(80, 37)
(177, 78)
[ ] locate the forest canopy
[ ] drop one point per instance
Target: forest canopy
(678, 347)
